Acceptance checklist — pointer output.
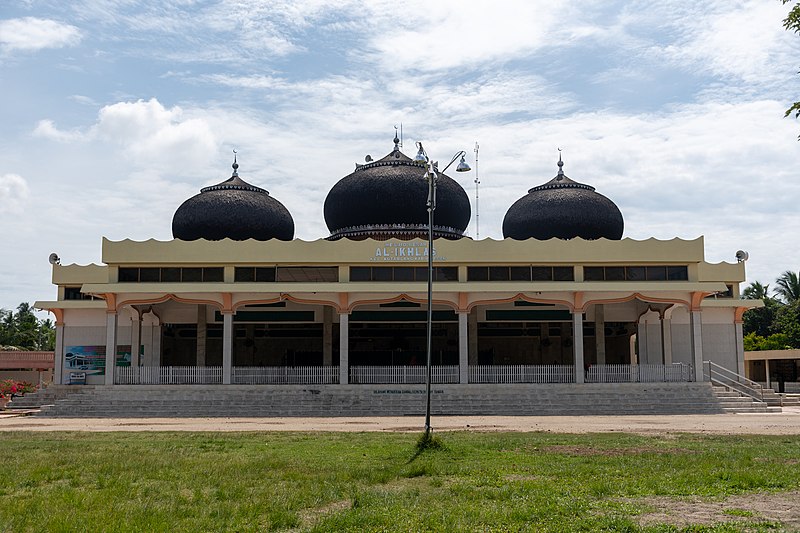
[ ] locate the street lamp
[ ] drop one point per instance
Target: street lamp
(432, 175)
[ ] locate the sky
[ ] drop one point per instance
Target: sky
(113, 112)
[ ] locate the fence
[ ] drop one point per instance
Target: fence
(167, 375)
(522, 374)
(403, 374)
(285, 375)
(440, 374)
(675, 372)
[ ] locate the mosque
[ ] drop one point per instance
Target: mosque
(234, 298)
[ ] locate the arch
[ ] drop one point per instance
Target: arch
(523, 297)
(165, 298)
(637, 296)
(401, 297)
(284, 297)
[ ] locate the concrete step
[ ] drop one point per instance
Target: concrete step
(372, 400)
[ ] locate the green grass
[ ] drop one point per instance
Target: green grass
(376, 481)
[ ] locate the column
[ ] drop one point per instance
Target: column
(136, 338)
(697, 344)
(202, 327)
(766, 369)
(344, 347)
(739, 348)
(227, 347)
(327, 336)
(111, 347)
(155, 354)
(472, 336)
(600, 333)
(666, 335)
(577, 345)
(58, 370)
(463, 348)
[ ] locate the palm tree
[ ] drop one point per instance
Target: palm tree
(756, 291)
(788, 287)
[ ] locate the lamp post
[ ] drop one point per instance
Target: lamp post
(432, 175)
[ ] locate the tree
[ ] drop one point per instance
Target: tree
(756, 291)
(22, 330)
(792, 23)
(788, 321)
(788, 287)
(760, 321)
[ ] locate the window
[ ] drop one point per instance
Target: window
(305, 274)
(74, 293)
(635, 273)
(402, 274)
(520, 273)
(169, 274)
(563, 274)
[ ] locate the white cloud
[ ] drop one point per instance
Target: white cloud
(31, 33)
(149, 135)
(729, 39)
(13, 193)
(430, 36)
(48, 130)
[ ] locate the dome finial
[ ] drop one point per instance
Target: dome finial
(235, 165)
(396, 140)
(560, 164)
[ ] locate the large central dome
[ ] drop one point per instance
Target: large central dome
(386, 199)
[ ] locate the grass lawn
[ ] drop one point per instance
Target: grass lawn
(380, 482)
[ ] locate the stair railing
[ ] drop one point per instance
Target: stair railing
(731, 380)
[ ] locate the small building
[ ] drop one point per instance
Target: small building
(235, 299)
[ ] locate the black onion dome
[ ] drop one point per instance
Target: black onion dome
(233, 209)
(564, 209)
(387, 198)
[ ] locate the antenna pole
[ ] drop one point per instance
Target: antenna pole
(477, 210)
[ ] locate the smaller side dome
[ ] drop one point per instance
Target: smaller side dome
(564, 209)
(235, 210)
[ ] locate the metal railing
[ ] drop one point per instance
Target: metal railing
(676, 372)
(285, 375)
(402, 374)
(167, 375)
(522, 374)
(720, 375)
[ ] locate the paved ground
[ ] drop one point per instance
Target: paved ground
(786, 423)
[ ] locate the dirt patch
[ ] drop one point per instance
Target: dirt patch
(309, 517)
(746, 509)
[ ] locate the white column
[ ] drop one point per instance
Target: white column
(227, 347)
(697, 344)
(577, 345)
(327, 335)
(472, 336)
(136, 338)
(739, 348)
(766, 369)
(666, 334)
(155, 354)
(111, 347)
(600, 333)
(344, 348)
(202, 321)
(58, 370)
(463, 349)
